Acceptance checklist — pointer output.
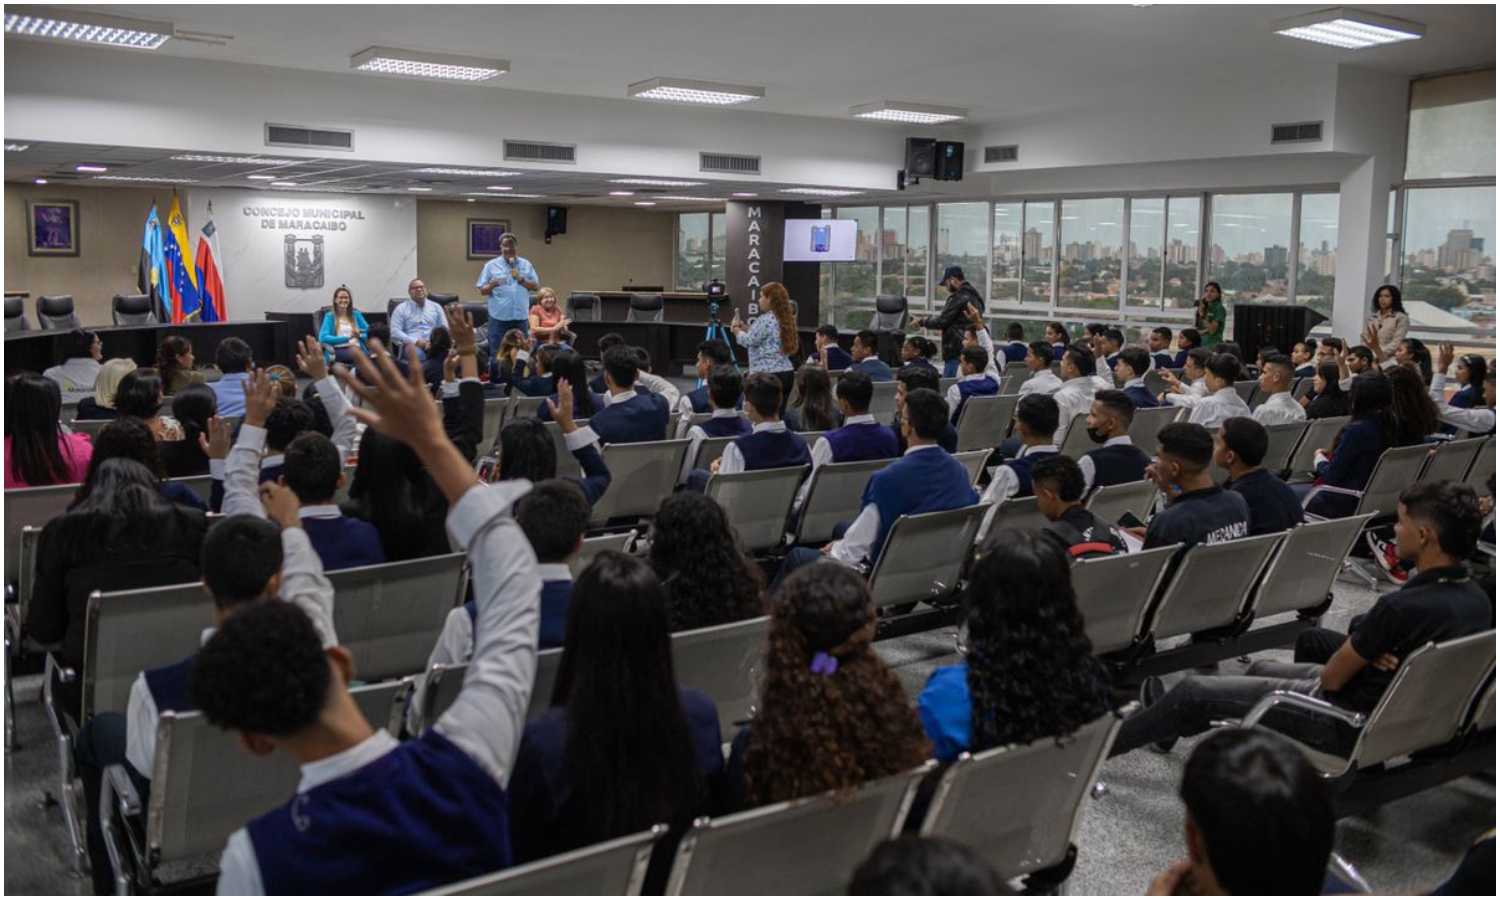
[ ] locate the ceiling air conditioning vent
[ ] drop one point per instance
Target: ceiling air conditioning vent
(1007, 153)
(730, 163)
(1297, 133)
(297, 136)
(533, 151)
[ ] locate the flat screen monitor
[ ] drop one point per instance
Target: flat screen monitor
(819, 240)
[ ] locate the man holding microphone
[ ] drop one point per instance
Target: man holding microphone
(508, 280)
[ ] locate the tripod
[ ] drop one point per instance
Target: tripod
(716, 331)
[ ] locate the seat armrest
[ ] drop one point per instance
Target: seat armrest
(1303, 702)
(1347, 492)
(118, 783)
(117, 794)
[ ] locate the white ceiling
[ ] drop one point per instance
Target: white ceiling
(999, 62)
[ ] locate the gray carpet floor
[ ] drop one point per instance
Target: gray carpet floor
(1127, 835)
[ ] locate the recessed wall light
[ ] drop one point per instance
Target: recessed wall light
(238, 160)
(283, 184)
(420, 190)
(622, 193)
(1350, 29)
(89, 167)
(908, 113)
(16, 148)
(645, 203)
(686, 90)
(744, 194)
(421, 64)
(821, 192)
(656, 182)
(481, 173)
(39, 181)
(72, 24)
(499, 187)
(261, 177)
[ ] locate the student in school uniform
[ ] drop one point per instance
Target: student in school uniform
(925, 479)
(711, 355)
(1199, 512)
(528, 451)
(917, 350)
(1191, 387)
(606, 341)
(1239, 448)
(1302, 359)
(770, 444)
(372, 815)
(648, 382)
(974, 380)
(1036, 422)
(1188, 339)
(977, 334)
(1219, 400)
(1056, 335)
(1117, 460)
(859, 438)
(864, 349)
(1130, 367)
(1160, 344)
(246, 559)
(628, 416)
(1057, 482)
(622, 746)
(1014, 348)
(1111, 340)
(828, 353)
(725, 397)
(554, 518)
(1276, 383)
(1039, 363)
(911, 378)
(1078, 372)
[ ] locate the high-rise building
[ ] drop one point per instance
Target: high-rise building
(1275, 257)
(1031, 245)
(1455, 251)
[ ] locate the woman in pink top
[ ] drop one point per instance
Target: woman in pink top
(37, 451)
(546, 316)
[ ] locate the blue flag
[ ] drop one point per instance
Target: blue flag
(152, 275)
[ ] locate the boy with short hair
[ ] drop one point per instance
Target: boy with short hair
(1118, 460)
(859, 438)
(711, 355)
(628, 415)
(1302, 359)
(1276, 383)
(1015, 347)
(606, 341)
(1130, 367)
(1036, 423)
(1039, 363)
(770, 444)
(1239, 448)
(1160, 345)
(975, 379)
(725, 396)
(1057, 482)
(828, 353)
(865, 346)
(315, 472)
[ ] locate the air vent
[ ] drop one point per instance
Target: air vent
(730, 163)
(1007, 153)
(297, 136)
(531, 151)
(1297, 133)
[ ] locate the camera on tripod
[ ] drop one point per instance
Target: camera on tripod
(716, 294)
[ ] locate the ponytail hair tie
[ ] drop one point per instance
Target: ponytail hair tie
(824, 663)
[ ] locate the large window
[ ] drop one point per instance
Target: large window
(854, 282)
(1250, 236)
(903, 251)
(918, 228)
(1449, 239)
(963, 237)
(1144, 256)
(1038, 240)
(718, 224)
(693, 243)
(1184, 218)
(1005, 260)
(1089, 264)
(1451, 131)
(1317, 251)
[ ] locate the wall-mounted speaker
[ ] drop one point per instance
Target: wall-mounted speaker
(557, 222)
(948, 162)
(919, 158)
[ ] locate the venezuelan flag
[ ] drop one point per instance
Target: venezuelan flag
(182, 280)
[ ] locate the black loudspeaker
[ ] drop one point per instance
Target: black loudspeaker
(920, 158)
(557, 222)
(1272, 325)
(949, 161)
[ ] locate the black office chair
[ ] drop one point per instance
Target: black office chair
(15, 315)
(583, 307)
(890, 313)
(55, 313)
(645, 308)
(133, 309)
(442, 299)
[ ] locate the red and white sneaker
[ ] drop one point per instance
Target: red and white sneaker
(1385, 556)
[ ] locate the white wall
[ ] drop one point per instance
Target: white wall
(373, 249)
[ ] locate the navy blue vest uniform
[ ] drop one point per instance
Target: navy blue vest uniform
(169, 686)
(344, 542)
(641, 418)
(864, 441)
(773, 450)
(1015, 351)
(554, 625)
(725, 426)
(699, 398)
(1141, 397)
(1165, 360)
(875, 368)
(924, 481)
(545, 414)
(1021, 465)
(1118, 464)
(839, 358)
(979, 387)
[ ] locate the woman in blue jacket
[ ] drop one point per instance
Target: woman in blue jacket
(342, 325)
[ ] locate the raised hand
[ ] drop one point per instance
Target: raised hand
(460, 327)
(215, 442)
(1445, 358)
(260, 398)
(395, 405)
(310, 358)
(562, 410)
(281, 505)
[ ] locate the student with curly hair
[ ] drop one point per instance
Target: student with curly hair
(708, 578)
(832, 715)
(1029, 671)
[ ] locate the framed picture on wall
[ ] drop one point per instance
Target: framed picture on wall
(484, 237)
(51, 227)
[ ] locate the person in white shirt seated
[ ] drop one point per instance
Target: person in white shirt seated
(1191, 387)
(1276, 383)
(1478, 419)
(976, 378)
(769, 445)
(1222, 401)
(1076, 395)
(80, 366)
(1039, 364)
(645, 380)
(1036, 421)
(1117, 460)
(725, 396)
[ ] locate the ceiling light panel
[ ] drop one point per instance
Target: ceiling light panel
(690, 199)
(68, 24)
(422, 64)
(656, 182)
(1350, 29)
(908, 113)
(479, 173)
(16, 148)
(145, 179)
(683, 90)
(237, 160)
(821, 192)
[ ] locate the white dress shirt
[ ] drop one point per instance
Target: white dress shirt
(77, 374)
(1211, 411)
(660, 386)
(1043, 382)
(955, 396)
(1192, 393)
(696, 436)
(854, 546)
(822, 455)
(486, 719)
(1074, 397)
(732, 461)
(1003, 486)
(1477, 420)
(1086, 465)
(1280, 409)
(988, 343)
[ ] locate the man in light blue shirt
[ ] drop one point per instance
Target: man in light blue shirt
(234, 359)
(508, 280)
(414, 319)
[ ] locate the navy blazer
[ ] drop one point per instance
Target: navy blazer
(643, 417)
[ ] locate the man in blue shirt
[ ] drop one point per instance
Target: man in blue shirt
(508, 280)
(234, 359)
(413, 321)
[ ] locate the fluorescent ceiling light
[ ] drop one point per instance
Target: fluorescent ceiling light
(422, 64)
(470, 200)
(499, 187)
(283, 184)
(145, 178)
(15, 148)
(691, 199)
(908, 113)
(241, 160)
(261, 177)
(89, 167)
(526, 196)
(743, 194)
(1350, 29)
(622, 193)
(419, 189)
(656, 182)
(53, 24)
(482, 173)
(645, 203)
(684, 90)
(821, 192)
(40, 181)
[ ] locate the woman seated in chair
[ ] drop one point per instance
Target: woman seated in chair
(38, 451)
(546, 317)
(343, 326)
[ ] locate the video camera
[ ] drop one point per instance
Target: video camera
(716, 294)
